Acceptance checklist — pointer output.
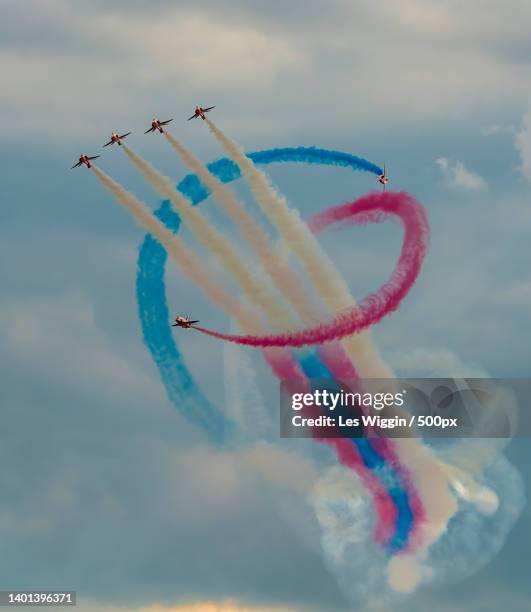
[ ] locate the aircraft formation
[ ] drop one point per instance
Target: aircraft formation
(158, 126)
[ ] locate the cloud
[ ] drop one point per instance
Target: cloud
(128, 504)
(253, 60)
(491, 130)
(519, 295)
(523, 145)
(496, 129)
(459, 176)
(422, 16)
(125, 58)
(58, 337)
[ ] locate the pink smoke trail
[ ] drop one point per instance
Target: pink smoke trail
(372, 208)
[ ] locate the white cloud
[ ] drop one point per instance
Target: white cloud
(519, 295)
(72, 61)
(423, 16)
(443, 164)
(495, 129)
(523, 144)
(58, 337)
(135, 55)
(459, 176)
(491, 130)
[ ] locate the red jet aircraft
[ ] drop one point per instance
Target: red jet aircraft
(183, 322)
(116, 138)
(85, 159)
(200, 112)
(157, 125)
(383, 178)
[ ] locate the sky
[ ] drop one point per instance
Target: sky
(108, 489)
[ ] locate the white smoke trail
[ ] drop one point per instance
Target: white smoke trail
(271, 259)
(244, 402)
(431, 481)
(256, 290)
(176, 249)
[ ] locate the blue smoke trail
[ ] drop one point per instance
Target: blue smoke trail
(315, 369)
(154, 317)
(227, 171)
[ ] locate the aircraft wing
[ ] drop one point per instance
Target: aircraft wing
(192, 117)
(76, 165)
(208, 109)
(192, 322)
(165, 122)
(124, 135)
(107, 143)
(95, 157)
(151, 129)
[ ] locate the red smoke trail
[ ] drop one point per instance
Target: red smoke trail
(372, 208)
